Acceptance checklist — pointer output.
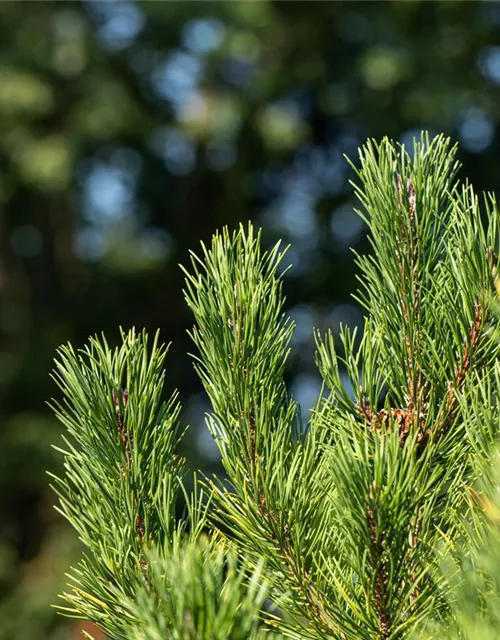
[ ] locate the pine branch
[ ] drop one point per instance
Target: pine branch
(242, 336)
(203, 590)
(121, 473)
(350, 513)
(428, 332)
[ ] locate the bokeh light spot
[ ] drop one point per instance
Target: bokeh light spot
(476, 130)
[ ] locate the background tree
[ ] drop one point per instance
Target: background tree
(129, 131)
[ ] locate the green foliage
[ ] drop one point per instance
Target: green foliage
(349, 516)
(473, 569)
(202, 590)
(121, 473)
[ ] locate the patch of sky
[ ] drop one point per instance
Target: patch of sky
(108, 199)
(202, 36)
(347, 384)
(489, 63)
(304, 317)
(206, 444)
(108, 194)
(345, 315)
(196, 412)
(296, 212)
(120, 22)
(176, 78)
(305, 389)
(346, 226)
(476, 130)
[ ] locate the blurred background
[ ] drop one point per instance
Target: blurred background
(130, 131)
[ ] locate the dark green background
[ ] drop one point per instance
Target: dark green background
(131, 131)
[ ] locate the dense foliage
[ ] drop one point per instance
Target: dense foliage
(344, 522)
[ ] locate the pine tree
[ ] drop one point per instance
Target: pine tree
(344, 522)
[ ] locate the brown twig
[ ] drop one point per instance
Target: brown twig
(122, 430)
(386, 418)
